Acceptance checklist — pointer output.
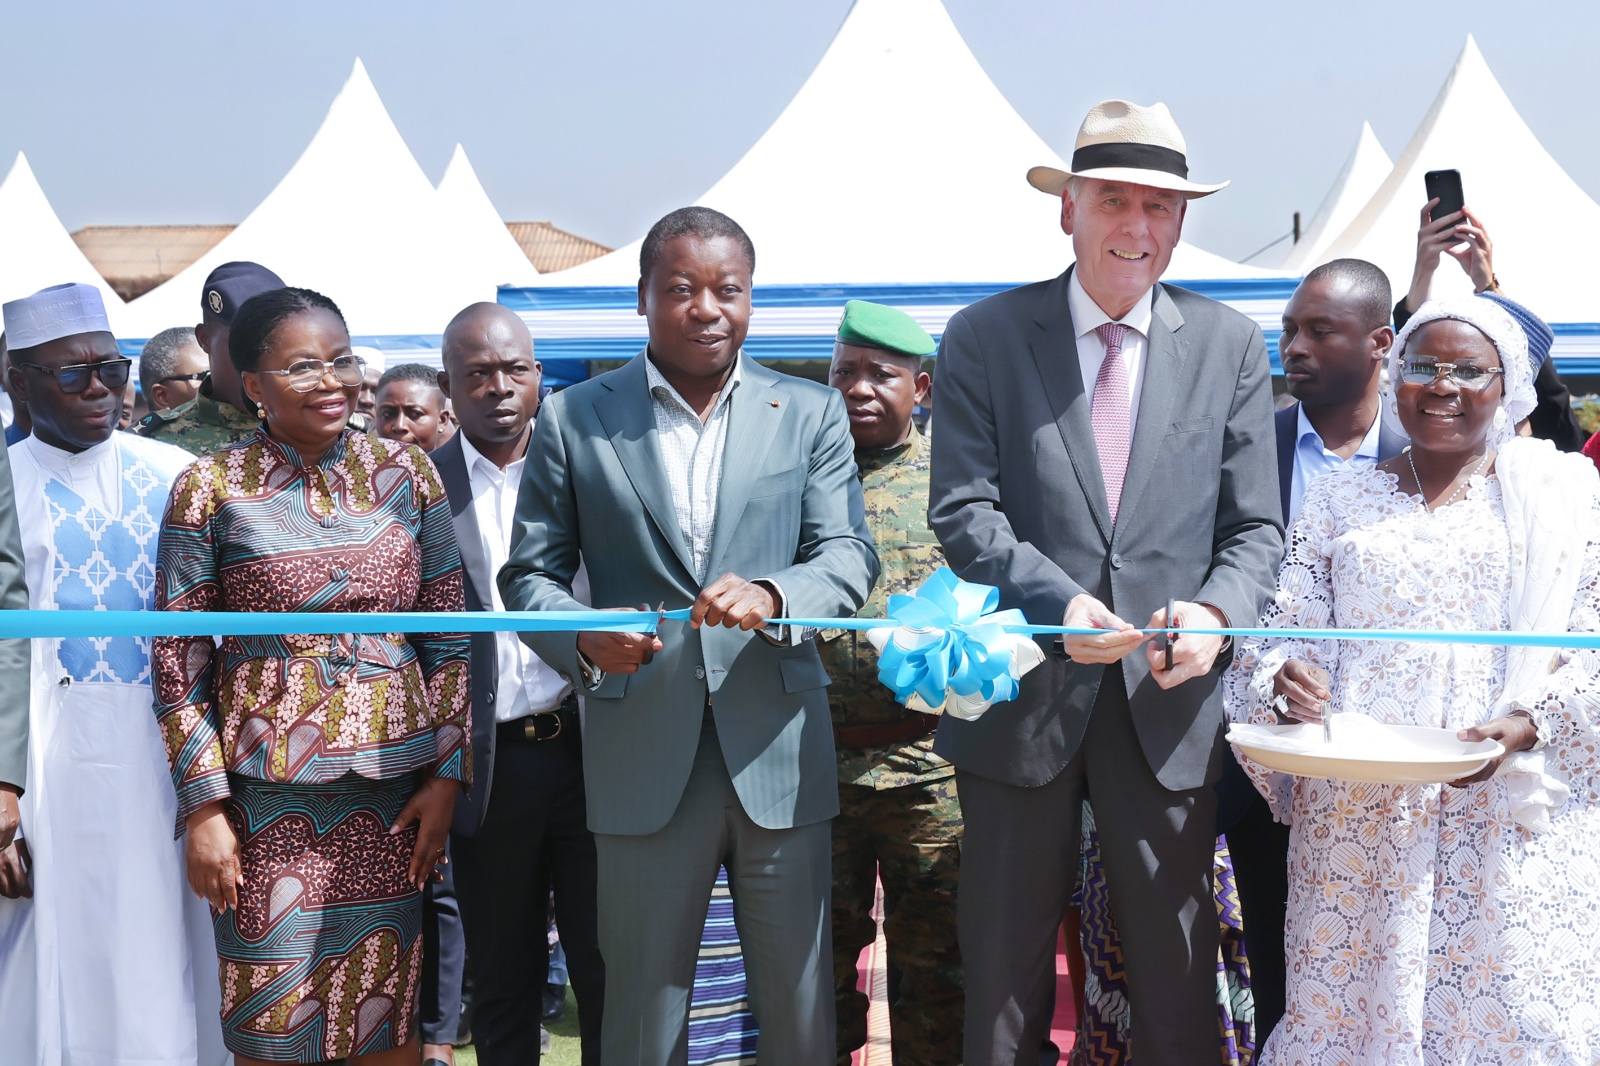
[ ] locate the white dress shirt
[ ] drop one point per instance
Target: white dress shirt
(691, 452)
(1312, 458)
(525, 684)
(1087, 316)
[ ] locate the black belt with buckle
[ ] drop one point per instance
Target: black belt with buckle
(543, 725)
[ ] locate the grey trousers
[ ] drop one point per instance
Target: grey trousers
(1020, 856)
(654, 891)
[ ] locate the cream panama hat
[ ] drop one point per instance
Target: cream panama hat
(1120, 141)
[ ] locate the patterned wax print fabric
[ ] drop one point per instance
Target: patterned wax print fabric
(256, 528)
(1425, 925)
(322, 959)
(1105, 1021)
(314, 743)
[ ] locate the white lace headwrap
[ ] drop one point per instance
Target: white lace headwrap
(1517, 398)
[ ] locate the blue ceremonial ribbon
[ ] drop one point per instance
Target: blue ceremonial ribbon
(965, 655)
(62, 624)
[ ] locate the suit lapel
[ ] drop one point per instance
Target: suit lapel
(1288, 421)
(1391, 442)
(629, 421)
(451, 461)
(1055, 355)
(1164, 355)
(754, 413)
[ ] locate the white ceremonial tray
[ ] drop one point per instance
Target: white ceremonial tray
(1364, 750)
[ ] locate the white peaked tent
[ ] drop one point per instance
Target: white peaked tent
(355, 218)
(898, 161)
(1531, 208)
(472, 216)
(35, 248)
(1363, 172)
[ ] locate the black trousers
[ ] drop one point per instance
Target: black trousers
(443, 958)
(1260, 850)
(534, 837)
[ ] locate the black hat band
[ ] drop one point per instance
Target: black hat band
(1136, 156)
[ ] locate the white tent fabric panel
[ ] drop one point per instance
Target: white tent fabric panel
(473, 218)
(356, 219)
(1363, 172)
(827, 196)
(35, 248)
(1510, 182)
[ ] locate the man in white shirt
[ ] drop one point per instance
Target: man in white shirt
(521, 829)
(1335, 338)
(111, 959)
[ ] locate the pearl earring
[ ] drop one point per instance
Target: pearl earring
(261, 412)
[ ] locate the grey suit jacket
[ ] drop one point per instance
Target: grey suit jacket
(15, 655)
(789, 509)
(1018, 502)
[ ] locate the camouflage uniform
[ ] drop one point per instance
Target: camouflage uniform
(899, 817)
(201, 426)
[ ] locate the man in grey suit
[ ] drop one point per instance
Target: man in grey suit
(1104, 442)
(710, 741)
(14, 658)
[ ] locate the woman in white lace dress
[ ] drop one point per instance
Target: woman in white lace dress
(1443, 924)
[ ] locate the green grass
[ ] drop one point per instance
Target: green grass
(564, 1046)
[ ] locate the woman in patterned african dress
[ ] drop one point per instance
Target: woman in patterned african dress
(316, 775)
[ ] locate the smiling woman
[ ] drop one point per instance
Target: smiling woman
(1471, 890)
(280, 746)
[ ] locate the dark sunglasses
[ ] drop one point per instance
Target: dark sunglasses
(74, 379)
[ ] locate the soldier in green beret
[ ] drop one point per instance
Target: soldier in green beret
(220, 414)
(899, 818)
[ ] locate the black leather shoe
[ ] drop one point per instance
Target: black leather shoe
(555, 1002)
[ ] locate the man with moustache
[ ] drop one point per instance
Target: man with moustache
(696, 478)
(520, 830)
(1335, 338)
(899, 818)
(1102, 446)
(220, 414)
(111, 951)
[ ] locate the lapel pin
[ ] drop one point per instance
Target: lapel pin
(773, 402)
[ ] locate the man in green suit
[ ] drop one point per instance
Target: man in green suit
(696, 477)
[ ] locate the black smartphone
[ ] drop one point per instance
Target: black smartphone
(1446, 186)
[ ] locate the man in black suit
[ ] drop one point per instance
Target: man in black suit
(1335, 337)
(520, 831)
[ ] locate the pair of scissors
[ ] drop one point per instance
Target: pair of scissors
(1170, 636)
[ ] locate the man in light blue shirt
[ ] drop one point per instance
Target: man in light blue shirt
(1336, 335)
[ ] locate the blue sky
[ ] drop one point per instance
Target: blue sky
(604, 115)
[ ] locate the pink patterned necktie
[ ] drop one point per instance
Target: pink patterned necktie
(1110, 415)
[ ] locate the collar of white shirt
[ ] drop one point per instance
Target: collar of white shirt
(1305, 431)
(473, 457)
(1088, 316)
(657, 382)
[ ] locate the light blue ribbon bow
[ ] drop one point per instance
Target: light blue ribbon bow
(969, 656)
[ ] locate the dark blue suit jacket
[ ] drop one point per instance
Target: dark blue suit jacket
(1235, 793)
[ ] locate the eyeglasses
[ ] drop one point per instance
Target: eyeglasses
(1465, 375)
(306, 374)
(74, 379)
(201, 376)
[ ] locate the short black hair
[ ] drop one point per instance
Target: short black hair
(264, 312)
(1370, 286)
(702, 222)
(421, 374)
(160, 356)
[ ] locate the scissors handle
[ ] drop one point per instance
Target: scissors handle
(1170, 637)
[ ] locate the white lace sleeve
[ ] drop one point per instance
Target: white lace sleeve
(1567, 710)
(1303, 600)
